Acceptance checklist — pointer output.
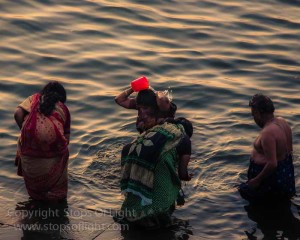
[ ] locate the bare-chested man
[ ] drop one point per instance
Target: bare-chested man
(271, 170)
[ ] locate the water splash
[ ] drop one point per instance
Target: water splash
(168, 93)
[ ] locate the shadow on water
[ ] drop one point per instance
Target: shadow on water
(276, 221)
(42, 221)
(179, 230)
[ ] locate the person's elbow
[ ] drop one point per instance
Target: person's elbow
(19, 116)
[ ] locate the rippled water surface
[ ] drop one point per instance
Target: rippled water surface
(213, 55)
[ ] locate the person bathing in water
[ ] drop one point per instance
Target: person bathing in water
(42, 153)
(271, 169)
(166, 108)
(149, 178)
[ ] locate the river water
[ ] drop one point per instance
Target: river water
(213, 56)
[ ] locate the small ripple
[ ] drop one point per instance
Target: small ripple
(119, 11)
(71, 74)
(290, 2)
(164, 43)
(287, 36)
(108, 21)
(13, 65)
(47, 60)
(245, 63)
(272, 21)
(199, 35)
(247, 45)
(285, 61)
(94, 33)
(31, 26)
(46, 2)
(252, 27)
(10, 50)
(219, 63)
(277, 47)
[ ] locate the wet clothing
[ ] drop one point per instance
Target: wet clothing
(280, 184)
(149, 176)
(42, 154)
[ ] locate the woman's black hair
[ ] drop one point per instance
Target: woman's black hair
(52, 93)
(187, 125)
(147, 98)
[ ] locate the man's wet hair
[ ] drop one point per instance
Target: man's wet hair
(262, 103)
(147, 98)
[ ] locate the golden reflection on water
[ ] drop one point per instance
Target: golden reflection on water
(213, 55)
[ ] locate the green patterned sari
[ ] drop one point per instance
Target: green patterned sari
(149, 176)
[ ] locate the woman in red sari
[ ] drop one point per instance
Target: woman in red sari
(42, 155)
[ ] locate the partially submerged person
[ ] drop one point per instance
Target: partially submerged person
(42, 155)
(150, 179)
(166, 108)
(271, 170)
(146, 99)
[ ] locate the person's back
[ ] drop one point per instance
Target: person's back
(283, 136)
(42, 154)
(149, 175)
(271, 170)
(278, 129)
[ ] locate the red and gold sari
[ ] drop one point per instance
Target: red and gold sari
(42, 156)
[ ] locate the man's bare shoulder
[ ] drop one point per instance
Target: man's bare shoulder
(283, 121)
(270, 131)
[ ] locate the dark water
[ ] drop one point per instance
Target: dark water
(213, 55)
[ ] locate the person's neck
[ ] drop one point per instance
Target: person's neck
(269, 119)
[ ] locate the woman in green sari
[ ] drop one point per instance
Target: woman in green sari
(153, 166)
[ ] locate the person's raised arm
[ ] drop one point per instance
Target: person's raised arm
(19, 115)
(124, 101)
